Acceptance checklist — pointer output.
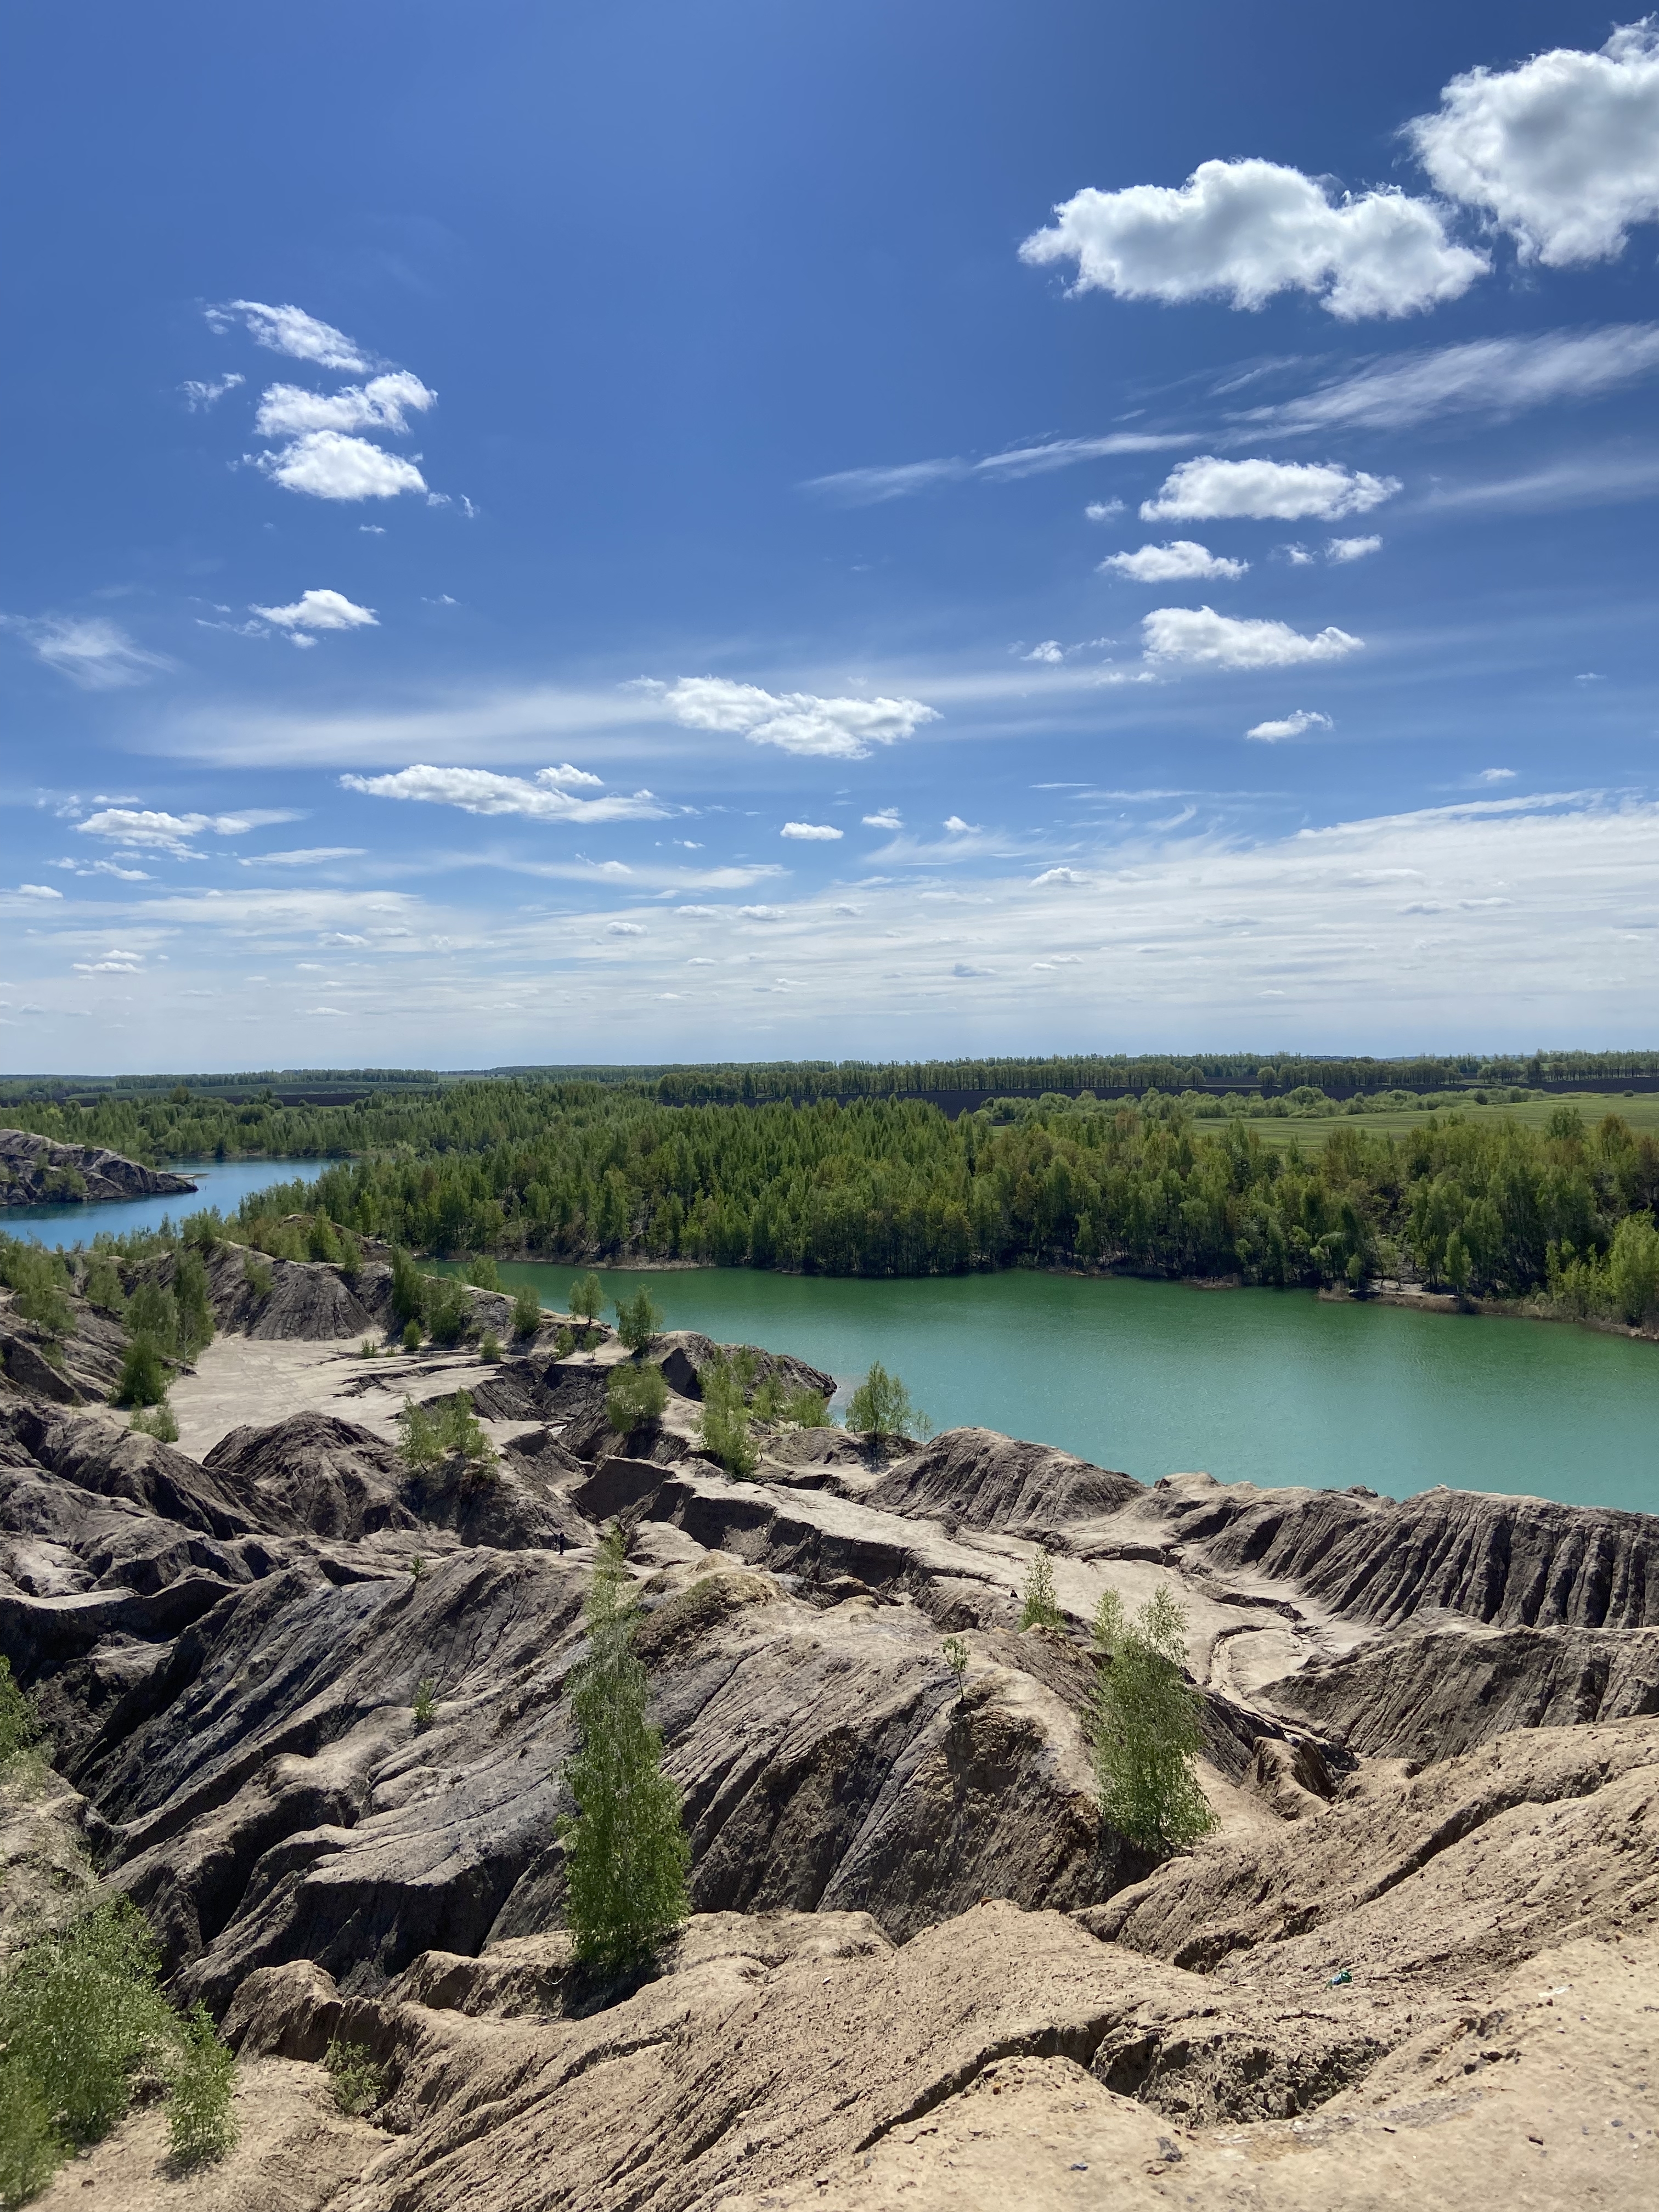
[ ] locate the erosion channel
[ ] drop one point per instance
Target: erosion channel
(1417, 1962)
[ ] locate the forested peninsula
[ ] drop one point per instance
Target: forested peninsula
(1561, 1216)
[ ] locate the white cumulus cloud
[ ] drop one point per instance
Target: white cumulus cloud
(288, 410)
(1562, 152)
(888, 818)
(1169, 564)
(626, 928)
(328, 465)
(1208, 490)
(811, 830)
(1352, 549)
(318, 610)
(1204, 639)
(481, 791)
(38, 892)
(1102, 510)
(158, 831)
(1050, 650)
(1245, 230)
(795, 721)
(200, 396)
(1289, 726)
(291, 332)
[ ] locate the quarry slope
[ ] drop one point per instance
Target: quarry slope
(921, 1965)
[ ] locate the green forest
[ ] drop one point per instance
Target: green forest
(1561, 1215)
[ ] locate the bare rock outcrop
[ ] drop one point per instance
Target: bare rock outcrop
(41, 1172)
(985, 1480)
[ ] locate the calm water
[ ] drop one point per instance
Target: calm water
(223, 1183)
(1266, 1386)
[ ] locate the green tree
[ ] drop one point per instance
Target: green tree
(526, 1310)
(626, 1852)
(880, 1408)
(1039, 1606)
(144, 1380)
(483, 1274)
(587, 1298)
(1633, 1268)
(19, 1729)
(103, 1290)
(153, 1312)
(723, 1425)
(191, 1299)
(638, 1319)
(449, 1314)
(634, 1396)
(407, 1290)
(1144, 1725)
(39, 1284)
(200, 2123)
(955, 1658)
(1457, 1268)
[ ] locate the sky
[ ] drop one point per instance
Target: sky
(646, 532)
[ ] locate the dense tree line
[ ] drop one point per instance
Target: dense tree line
(882, 1187)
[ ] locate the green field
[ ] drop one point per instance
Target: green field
(1639, 1108)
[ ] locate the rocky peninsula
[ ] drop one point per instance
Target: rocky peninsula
(37, 1171)
(1415, 1964)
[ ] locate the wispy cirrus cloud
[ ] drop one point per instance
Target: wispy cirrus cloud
(1496, 377)
(870, 487)
(93, 653)
(200, 396)
(547, 798)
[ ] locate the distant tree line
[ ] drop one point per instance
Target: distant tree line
(880, 1187)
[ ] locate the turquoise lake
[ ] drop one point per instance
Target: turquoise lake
(1264, 1386)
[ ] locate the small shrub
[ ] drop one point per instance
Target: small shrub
(408, 1289)
(366, 1350)
(30, 2151)
(358, 2083)
(19, 1729)
(157, 1421)
(591, 1339)
(587, 1298)
(259, 1278)
(199, 2119)
(80, 2011)
(1040, 1607)
(725, 1425)
(144, 1378)
(806, 1409)
(38, 1282)
(426, 1702)
(418, 1569)
(1144, 1725)
(880, 1409)
(411, 1338)
(483, 1274)
(526, 1310)
(449, 1314)
(634, 1396)
(489, 1346)
(638, 1320)
(420, 1437)
(955, 1658)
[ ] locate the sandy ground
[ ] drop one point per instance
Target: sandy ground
(240, 1381)
(295, 2150)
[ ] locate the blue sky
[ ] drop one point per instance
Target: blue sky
(654, 531)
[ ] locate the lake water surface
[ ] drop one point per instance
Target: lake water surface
(1265, 1386)
(223, 1183)
(1268, 1385)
